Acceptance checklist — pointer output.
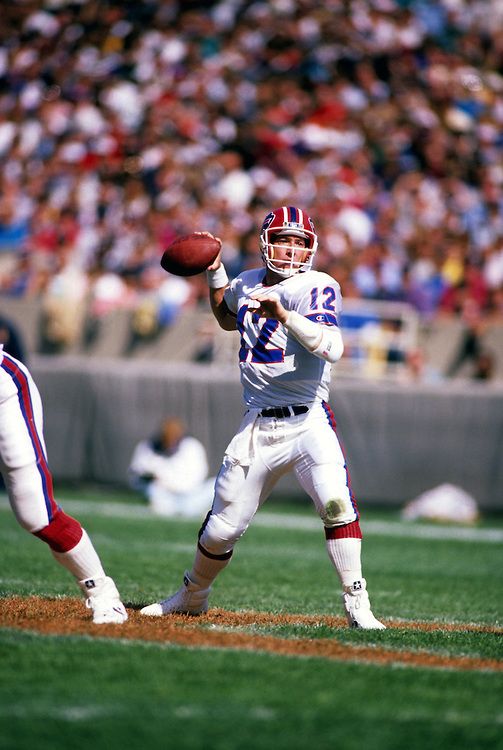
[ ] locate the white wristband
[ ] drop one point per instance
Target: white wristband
(217, 279)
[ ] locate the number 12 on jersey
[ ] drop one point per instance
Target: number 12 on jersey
(262, 351)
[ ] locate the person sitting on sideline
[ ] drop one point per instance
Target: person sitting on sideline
(171, 470)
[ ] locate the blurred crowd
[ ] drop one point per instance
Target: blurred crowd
(125, 123)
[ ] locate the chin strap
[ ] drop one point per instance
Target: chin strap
(324, 342)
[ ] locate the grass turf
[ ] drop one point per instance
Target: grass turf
(69, 693)
(62, 692)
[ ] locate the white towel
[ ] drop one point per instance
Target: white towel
(241, 447)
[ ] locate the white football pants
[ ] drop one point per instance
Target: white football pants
(307, 445)
(23, 460)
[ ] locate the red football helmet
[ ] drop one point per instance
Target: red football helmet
(288, 220)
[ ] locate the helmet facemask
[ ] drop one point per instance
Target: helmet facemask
(288, 221)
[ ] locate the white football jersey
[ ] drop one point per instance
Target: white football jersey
(276, 370)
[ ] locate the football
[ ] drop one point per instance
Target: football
(190, 254)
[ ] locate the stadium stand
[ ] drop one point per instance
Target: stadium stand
(124, 124)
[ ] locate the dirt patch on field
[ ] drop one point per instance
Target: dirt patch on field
(233, 630)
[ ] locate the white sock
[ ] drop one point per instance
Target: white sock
(345, 555)
(205, 569)
(82, 561)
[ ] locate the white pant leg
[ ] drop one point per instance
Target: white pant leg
(239, 492)
(23, 459)
(307, 444)
(321, 469)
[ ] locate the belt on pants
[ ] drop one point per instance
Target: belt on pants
(280, 412)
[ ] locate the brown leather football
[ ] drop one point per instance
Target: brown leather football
(190, 254)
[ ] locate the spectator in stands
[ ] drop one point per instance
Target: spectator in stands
(12, 340)
(484, 365)
(171, 470)
(122, 127)
(160, 299)
(470, 349)
(418, 369)
(63, 305)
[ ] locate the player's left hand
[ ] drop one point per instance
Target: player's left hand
(269, 306)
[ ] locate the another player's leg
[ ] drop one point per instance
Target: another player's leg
(29, 485)
(69, 543)
(83, 562)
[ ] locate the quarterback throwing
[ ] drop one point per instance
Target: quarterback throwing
(286, 314)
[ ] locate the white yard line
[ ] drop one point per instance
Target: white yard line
(294, 522)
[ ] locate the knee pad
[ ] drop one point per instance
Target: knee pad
(217, 537)
(62, 533)
(337, 511)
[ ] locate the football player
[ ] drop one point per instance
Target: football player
(24, 468)
(287, 317)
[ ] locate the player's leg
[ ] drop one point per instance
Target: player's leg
(239, 492)
(322, 472)
(28, 481)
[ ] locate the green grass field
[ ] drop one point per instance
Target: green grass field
(97, 692)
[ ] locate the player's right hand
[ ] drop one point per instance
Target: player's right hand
(269, 305)
(218, 260)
